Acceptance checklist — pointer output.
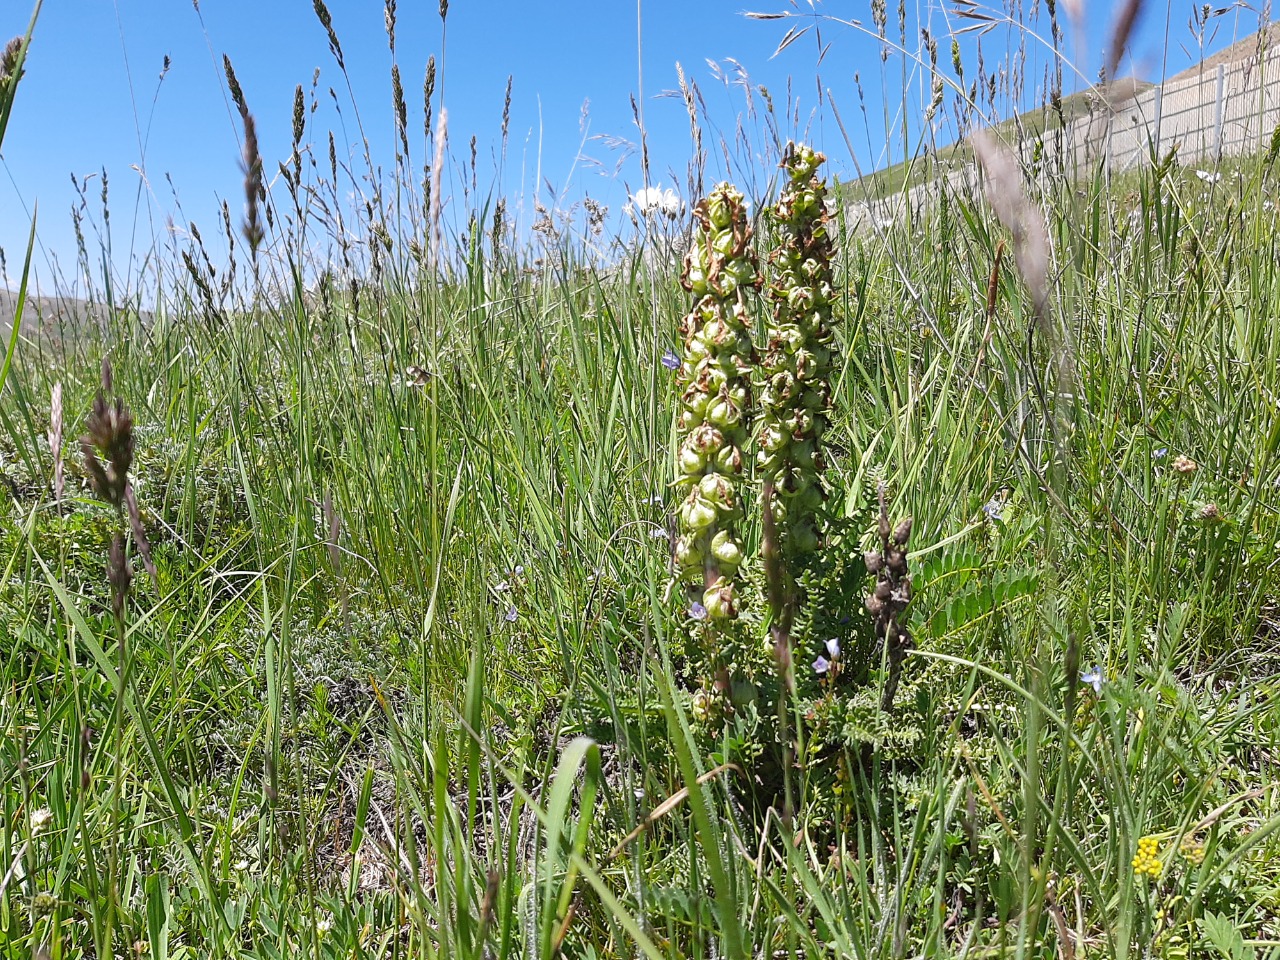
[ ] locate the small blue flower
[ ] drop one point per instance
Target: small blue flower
(821, 665)
(697, 611)
(1161, 453)
(657, 533)
(1094, 677)
(670, 360)
(993, 508)
(833, 648)
(512, 614)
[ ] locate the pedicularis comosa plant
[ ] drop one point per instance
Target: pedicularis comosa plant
(768, 408)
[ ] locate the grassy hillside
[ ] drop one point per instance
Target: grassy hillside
(401, 671)
(926, 166)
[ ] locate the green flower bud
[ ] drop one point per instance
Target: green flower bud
(695, 401)
(706, 439)
(729, 459)
(720, 600)
(696, 513)
(726, 548)
(692, 460)
(723, 413)
(696, 280)
(742, 272)
(723, 243)
(772, 439)
(687, 553)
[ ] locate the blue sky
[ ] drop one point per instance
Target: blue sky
(92, 98)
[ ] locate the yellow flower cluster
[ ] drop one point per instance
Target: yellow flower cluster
(1146, 861)
(1192, 849)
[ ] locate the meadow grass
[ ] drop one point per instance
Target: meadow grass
(410, 682)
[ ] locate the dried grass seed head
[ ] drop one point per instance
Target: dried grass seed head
(9, 61)
(108, 448)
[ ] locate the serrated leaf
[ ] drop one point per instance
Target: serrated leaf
(1226, 937)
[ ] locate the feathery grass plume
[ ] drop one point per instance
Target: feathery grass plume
(401, 110)
(9, 62)
(715, 403)
(253, 187)
(299, 127)
(326, 21)
(233, 85)
(795, 396)
(428, 91)
(698, 164)
(888, 600)
(506, 111)
(1020, 217)
(442, 133)
(55, 441)
(107, 447)
(389, 17)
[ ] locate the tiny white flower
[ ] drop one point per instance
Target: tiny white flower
(649, 200)
(1208, 177)
(833, 648)
(40, 819)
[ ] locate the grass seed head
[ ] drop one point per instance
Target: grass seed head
(9, 62)
(108, 448)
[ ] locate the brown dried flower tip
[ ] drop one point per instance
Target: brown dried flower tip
(9, 61)
(1184, 466)
(1210, 513)
(108, 448)
(118, 575)
(888, 600)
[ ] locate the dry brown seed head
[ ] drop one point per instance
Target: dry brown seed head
(118, 575)
(9, 60)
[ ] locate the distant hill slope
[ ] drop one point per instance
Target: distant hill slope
(51, 316)
(924, 167)
(1034, 123)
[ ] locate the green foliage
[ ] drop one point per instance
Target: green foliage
(407, 681)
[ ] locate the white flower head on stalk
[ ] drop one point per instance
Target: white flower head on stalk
(649, 201)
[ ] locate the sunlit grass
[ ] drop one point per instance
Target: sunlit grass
(411, 682)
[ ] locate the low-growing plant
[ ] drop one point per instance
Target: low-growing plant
(749, 624)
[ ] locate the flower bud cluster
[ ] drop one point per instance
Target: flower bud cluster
(888, 600)
(715, 401)
(795, 394)
(1146, 861)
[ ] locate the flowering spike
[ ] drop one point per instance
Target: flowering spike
(713, 421)
(795, 397)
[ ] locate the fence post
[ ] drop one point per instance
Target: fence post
(1219, 112)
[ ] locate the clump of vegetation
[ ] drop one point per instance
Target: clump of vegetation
(747, 623)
